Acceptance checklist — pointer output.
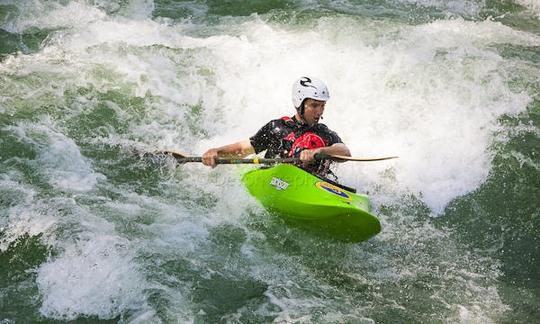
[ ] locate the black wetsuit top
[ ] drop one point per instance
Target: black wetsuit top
(287, 137)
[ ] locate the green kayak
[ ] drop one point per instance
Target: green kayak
(306, 200)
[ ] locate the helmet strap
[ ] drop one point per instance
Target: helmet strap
(302, 109)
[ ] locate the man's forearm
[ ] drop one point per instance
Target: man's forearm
(337, 149)
(238, 149)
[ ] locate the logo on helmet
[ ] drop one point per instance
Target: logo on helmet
(305, 80)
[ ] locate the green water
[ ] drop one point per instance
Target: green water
(92, 231)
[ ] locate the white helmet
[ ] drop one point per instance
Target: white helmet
(308, 88)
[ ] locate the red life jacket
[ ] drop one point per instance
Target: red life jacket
(303, 140)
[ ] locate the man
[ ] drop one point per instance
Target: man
(299, 136)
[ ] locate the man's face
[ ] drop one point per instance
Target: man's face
(313, 110)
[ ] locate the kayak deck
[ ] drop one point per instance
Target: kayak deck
(303, 199)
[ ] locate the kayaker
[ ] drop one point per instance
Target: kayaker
(299, 136)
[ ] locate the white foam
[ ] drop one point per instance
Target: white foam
(533, 5)
(59, 157)
(92, 272)
(101, 256)
(466, 7)
(95, 276)
(23, 215)
(51, 15)
(436, 106)
(74, 14)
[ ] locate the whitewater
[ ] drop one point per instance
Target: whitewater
(92, 230)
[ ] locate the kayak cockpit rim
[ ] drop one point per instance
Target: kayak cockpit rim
(350, 189)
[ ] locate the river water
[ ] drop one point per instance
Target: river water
(92, 231)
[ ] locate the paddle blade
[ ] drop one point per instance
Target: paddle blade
(180, 158)
(175, 154)
(342, 158)
(350, 158)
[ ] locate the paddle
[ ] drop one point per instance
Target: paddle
(183, 158)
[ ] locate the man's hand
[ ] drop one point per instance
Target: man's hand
(308, 156)
(209, 157)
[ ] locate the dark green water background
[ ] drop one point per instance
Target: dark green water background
(90, 231)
